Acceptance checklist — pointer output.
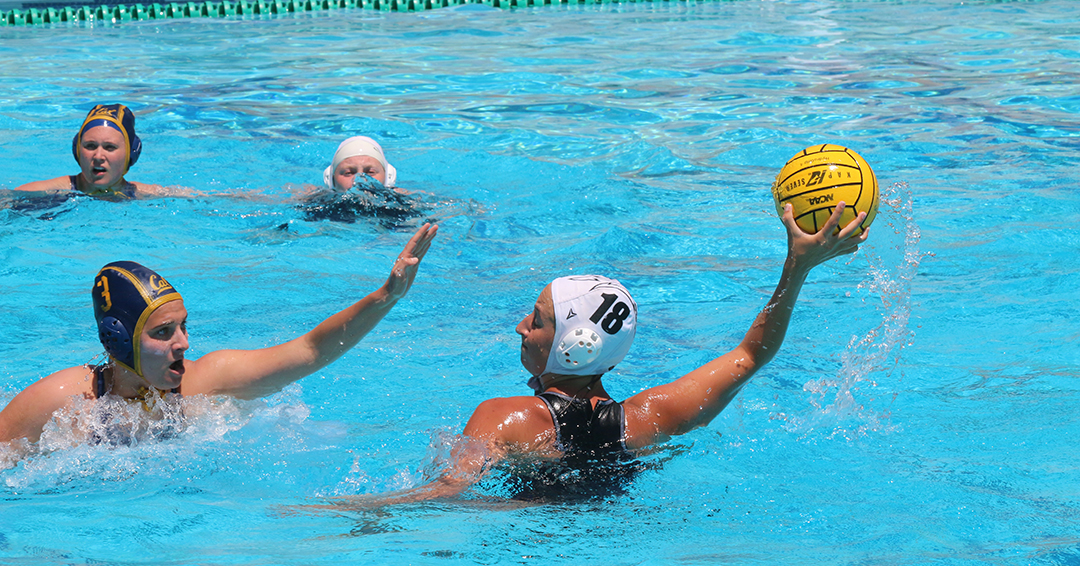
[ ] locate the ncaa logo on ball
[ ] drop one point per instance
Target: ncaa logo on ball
(818, 178)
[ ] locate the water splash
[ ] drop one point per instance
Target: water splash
(114, 440)
(876, 354)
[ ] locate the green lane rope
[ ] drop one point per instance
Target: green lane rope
(222, 8)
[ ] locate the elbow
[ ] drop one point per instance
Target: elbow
(756, 356)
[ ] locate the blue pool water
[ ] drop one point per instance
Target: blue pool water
(923, 407)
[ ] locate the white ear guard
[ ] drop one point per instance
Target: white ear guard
(579, 347)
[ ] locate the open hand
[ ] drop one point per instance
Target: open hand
(404, 271)
(810, 250)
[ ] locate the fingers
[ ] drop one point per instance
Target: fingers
(418, 237)
(425, 243)
(408, 261)
(834, 219)
(421, 241)
(788, 218)
(852, 227)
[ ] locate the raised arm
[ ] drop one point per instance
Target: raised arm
(656, 414)
(257, 373)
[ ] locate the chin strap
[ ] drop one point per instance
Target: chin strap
(149, 397)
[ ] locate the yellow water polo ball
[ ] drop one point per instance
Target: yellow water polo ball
(821, 176)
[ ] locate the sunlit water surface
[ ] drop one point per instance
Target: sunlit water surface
(923, 408)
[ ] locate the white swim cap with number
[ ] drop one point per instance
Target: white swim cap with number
(359, 145)
(595, 322)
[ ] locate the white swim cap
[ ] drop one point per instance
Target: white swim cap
(595, 323)
(359, 145)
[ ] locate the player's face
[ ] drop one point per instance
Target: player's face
(349, 168)
(163, 343)
(102, 156)
(537, 332)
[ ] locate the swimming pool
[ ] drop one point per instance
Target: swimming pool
(921, 410)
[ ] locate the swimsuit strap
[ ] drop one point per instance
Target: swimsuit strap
(99, 381)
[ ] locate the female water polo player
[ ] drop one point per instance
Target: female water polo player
(358, 156)
(360, 183)
(142, 323)
(580, 328)
(105, 147)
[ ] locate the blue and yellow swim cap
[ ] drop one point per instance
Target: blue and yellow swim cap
(117, 117)
(125, 294)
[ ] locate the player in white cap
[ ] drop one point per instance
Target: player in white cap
(580, 328)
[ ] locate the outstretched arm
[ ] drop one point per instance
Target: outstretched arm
(257, 373)
(656, 414)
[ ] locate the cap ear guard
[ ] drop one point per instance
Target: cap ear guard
(579, 347)
(136, 149)
(115, 338)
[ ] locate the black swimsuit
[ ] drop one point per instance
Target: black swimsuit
(583, 432)
(595, 461)
(112, 435)
(99, 381)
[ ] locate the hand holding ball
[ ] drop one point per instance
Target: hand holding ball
(821, 176)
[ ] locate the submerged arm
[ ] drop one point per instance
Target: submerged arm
(497, 428)
(695, 399)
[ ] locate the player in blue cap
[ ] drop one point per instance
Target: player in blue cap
(142, 323)
(105, 147)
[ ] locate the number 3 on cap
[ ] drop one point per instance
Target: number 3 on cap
(613, 321)
(104, 284)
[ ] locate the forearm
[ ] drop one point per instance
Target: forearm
(695, 399)
(805, 251)
(339, 333)
(766, 334)
(250, 374)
